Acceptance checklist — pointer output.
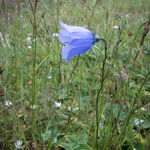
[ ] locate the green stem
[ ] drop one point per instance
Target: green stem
(135, 37)
(115, 48)
(99, 92)
(71, 74)
(92, 13)
(34, 34)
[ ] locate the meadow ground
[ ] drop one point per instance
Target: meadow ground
(92, 103)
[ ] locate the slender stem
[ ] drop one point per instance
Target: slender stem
(93, 10)
(74, 67)
(115, 48)
(145, 32)
(71, 74)
(98, 94)
(68, 86)
(55, 19)
(130, 50)
(34, 34)
(134, 59)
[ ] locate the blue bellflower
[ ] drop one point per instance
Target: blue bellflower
(76, 40)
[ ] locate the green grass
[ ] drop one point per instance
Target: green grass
(33, 117)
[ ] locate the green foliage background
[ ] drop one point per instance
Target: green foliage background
(124, 102)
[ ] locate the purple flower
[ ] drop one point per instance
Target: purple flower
(76, 40)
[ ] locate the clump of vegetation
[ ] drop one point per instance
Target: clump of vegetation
(99, 100)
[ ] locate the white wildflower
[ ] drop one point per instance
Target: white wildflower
(69, 108)
(28, 38)
(55, 35)
(29, 46)
(34, 106)
(138, 121)
(73, 108)
(49, 77)
(18, 144)
(8, 103)
(142, 108)
(58, 104)
(116, 27)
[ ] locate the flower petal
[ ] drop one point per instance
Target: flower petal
(78, 50)
(82, 35)
(67, 37)
(63, 25)
(69, 51)
(82, 42)
(71, 28)
(64, 36)
(77, 29)
(64, 52)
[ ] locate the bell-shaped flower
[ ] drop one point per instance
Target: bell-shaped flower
(76, 40)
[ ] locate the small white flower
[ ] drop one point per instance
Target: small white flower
(58, 104)
(69, 108)
(21, 16)
(116, 27)
(49, 77)
(55, 35)
(142, 108)
(34, 106)
(8, 103)
(73, 108)
(28, 38)
(29, 46)
(138, 121)
(18, 144)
